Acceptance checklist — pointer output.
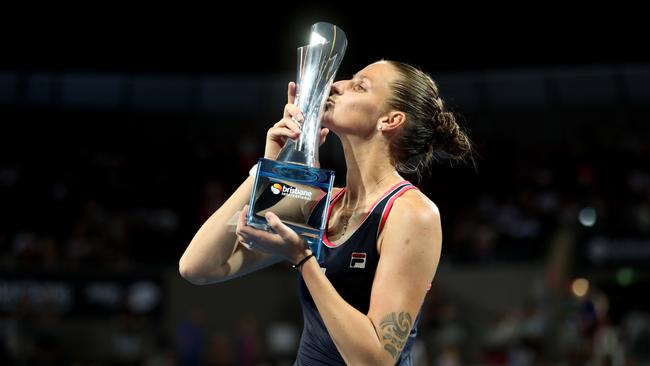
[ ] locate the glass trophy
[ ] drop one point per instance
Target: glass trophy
(292, 185)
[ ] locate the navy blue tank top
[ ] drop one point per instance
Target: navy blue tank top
(350, 267)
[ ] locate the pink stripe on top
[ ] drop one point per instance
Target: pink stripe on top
(338, 196)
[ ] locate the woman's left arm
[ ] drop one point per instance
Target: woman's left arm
(410, 251)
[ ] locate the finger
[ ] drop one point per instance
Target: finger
(291, 92)
(286, 123)
(280, 228)
(323, 135)
(291, 111)
(283, 132)
(294, 126)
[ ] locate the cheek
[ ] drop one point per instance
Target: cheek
(355, 113)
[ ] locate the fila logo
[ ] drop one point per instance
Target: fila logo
(358, 260)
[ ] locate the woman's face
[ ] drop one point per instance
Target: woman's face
(355, 105)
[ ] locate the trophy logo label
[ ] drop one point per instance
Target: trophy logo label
(289, 191)
(276, 188)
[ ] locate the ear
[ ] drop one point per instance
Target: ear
(391, 121)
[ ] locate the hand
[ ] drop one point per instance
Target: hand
(283, 241)
(289, 127)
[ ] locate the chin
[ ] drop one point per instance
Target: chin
(326, 120)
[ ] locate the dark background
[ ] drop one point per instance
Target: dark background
(242, 38)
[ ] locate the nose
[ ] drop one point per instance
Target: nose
(337, 88)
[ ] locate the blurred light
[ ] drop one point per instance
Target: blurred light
(108, 294)
(143, 296)
(579, 287)
(282, 338)
(625, 276)
(316, 39)
(587, 216)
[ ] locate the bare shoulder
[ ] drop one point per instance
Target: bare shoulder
(415, 207)
(414, 219)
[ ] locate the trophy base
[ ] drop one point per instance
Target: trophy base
(291, 191)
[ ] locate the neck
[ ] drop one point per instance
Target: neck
(369, 171)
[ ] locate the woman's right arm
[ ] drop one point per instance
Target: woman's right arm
(215, 254)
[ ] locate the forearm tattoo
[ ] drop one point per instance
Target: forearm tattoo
(395, 330)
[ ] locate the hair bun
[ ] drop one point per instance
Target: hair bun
(449, 137)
